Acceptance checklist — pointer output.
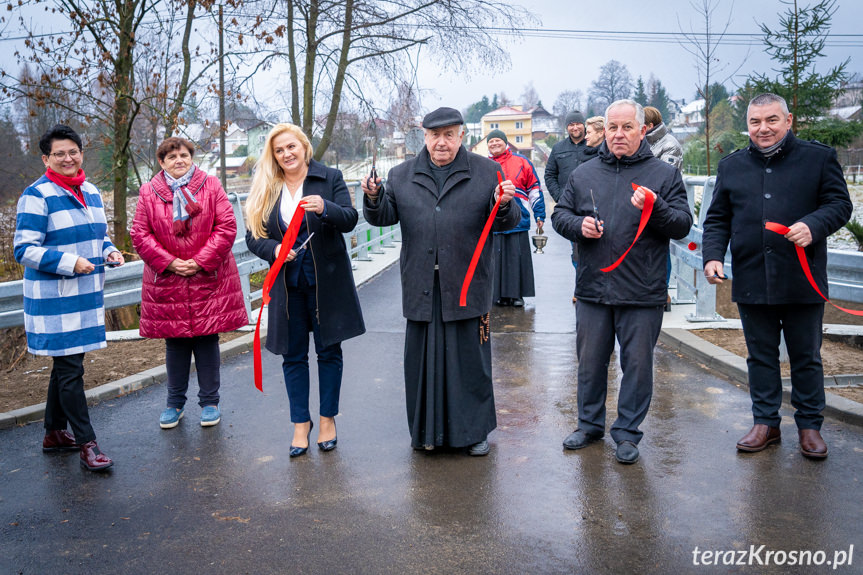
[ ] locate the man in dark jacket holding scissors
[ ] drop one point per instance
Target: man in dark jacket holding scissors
(795, 183)
(443, 198)
(620, 293)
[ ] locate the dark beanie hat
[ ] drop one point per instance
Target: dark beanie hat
(497, 134)
(575, 117)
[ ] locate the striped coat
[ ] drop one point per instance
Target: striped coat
(64, 312)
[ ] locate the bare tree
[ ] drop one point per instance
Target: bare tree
(93, 71)
(530, 97)
(568, 101)
(614, 83)
(703, 45)
(334, 47)
(404, 108)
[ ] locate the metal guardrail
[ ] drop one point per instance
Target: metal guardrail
(123, 284)
(844, 268)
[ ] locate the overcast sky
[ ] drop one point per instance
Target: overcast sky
(558, 54)
(558, 64)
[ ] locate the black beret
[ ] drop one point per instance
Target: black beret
(442, 117)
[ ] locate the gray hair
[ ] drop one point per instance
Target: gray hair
(639, 110)
(766, 99)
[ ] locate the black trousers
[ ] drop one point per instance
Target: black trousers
(66, 403)
(802, 325)
(178, 363)
(637, 329)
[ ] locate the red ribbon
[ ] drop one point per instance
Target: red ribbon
(645, 215)
(801, 256)
(462, 301)
(284, 250)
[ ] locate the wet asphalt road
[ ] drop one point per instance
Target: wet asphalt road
(229, 500)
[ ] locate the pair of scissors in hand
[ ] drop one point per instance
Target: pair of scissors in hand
(303, 245)
(596, 218)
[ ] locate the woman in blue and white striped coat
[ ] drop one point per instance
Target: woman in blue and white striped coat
(61, 240)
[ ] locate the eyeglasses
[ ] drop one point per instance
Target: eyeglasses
(71, 153)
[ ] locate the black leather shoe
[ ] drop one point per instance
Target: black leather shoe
(578, 439)
(297, 451)
(330, 444)
(518, 302)
(627, 452)
(478, 449)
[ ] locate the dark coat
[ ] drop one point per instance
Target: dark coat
(803, 182)
(444, 230)
(339, 312)
(565, 157)
(211, 301)
(641, 279)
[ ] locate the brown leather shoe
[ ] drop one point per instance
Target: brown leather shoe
(811, 443)
(93, 459)
(758, 438)
(59, 440)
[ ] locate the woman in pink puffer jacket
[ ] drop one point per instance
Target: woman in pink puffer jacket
(184, 229)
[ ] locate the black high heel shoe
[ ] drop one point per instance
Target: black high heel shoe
(330, 444)
(297, 451)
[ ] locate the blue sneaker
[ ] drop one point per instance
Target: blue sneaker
(170, 417)
(210, 416)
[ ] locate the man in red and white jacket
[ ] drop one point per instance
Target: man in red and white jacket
(513, 274)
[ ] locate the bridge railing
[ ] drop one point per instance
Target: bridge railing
(123, 284)
(844, 268)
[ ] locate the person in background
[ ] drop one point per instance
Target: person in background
(61, 240)
(513, 266)
(565, 157)
(664, 146)
(623, 303)
(443, 198)
(799, 184)
(314, 290)
(662, 143)
(594, 132)
(184, 228)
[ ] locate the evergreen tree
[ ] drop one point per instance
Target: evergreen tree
(17, 169)
(796, 46)
(494, 104)
(477, 110)
(640, 95)
(658, 98)
(741, 103)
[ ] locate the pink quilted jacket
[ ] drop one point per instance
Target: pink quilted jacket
(209, 302)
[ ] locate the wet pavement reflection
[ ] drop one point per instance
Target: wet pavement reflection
(228, 499)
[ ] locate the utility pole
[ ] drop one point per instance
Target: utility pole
(222, 126)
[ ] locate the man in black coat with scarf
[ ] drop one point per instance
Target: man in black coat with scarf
(443, 198)
(799, 184)
(601, 210)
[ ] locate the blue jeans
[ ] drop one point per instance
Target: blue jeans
(302, 318)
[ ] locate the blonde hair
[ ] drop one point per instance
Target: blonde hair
(598, 123)
(269, 178)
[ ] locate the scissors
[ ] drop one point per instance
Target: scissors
(373, 175)
(596, 218)
(303, 245)
(108, 264)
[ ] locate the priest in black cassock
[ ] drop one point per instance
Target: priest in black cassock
(442, 199)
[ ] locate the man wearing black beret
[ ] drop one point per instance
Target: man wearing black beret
(442, 199)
